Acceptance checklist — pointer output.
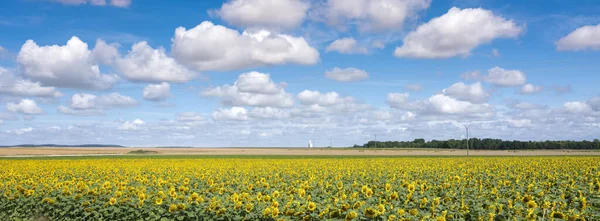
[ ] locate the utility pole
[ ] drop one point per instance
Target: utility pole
(467, 128)
(375, 140)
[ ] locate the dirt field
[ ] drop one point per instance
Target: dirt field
(70, 151)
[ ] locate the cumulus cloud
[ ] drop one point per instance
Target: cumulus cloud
(231, 114)
(115, 3)
(473, 93)
(132, 125)
(372, 15)
(209, 47)
(456, 33)
(143, 63)
(252, 89)
(105, 53)
(506, 78)
(69, 66)
(586, 37)
(270, 14)
(16, 86)
(531, 89)
(269, 113)
(346, 46)
(157, 92)
(347, 74)
(316, 101)
(590, 107)
(25, 106)
(413, 87)
(21, 131)
(83, 101)
(437, 104)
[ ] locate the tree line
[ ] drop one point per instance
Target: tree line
(484, 144)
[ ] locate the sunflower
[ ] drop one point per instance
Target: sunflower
(267, 211)
(413, 212)
(340, 185)
(371, 213)
(351, 215)
(249, 207)
(275, 194)
(411, 187)
(312, 206)
(172, 208)
(531, 204)
(158, 201)
(112, 201)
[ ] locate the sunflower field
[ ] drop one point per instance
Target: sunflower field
(301, 188)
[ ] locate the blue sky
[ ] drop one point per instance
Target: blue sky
(280, 73)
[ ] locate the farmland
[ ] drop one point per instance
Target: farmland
(300, 188)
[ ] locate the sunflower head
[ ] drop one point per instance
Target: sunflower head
(312, 206)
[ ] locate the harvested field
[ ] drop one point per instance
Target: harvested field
(73, 151)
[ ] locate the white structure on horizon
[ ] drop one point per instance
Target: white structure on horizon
(310, 144)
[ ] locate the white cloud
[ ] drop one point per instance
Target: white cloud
(234, 113)
(115, 100)
(372, 15)
(157, 92)
(25, 106)
(316, 101)
(269, 113)
(578, 107)
(83, 101)
(505, 78)
(586, 37)
(70, 66)
(209, 47)
(473, 93)
(456, 33)
(116, 3)
(20, 131)
(531, 89)
(347, 74)
(413, 87)
(590, 107)
(270, 14)
(78, 112)
(16, 86)
(437, 104)
(132, 125)
(105, 53)
(346, 46)
(252, 89)
(522, 105)
(519, 123)
(143, 63)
